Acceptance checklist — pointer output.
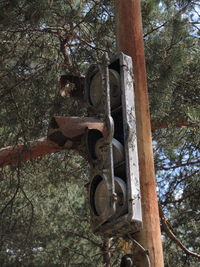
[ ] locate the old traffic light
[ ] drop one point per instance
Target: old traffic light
(114, 191)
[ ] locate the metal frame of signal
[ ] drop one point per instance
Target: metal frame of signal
(114, 191)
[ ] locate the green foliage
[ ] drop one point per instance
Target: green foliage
(44, 215)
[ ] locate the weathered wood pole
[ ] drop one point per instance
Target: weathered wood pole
(130, 41)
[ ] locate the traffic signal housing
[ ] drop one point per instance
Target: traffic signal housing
(114, 190)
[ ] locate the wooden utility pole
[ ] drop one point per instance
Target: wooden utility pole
(130, 41)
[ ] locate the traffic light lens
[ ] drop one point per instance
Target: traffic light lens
(118, 152)
(92, 138)
(102, 200)
(96, 92)
(101, 152)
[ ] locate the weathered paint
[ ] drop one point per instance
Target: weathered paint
(63, 129)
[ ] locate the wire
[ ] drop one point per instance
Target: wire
(145, 252)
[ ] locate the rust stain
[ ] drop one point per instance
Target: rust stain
(63, 130)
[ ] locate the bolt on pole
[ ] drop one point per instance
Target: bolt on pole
(130, 42)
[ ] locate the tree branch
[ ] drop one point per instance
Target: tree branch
(178, 165)
(172, 236)
(163, 125)
(168, 21)
(14, 195)
(12, 155)
(24, 79)
(106, 253)
(63, 133)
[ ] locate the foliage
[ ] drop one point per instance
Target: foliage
(43, 203)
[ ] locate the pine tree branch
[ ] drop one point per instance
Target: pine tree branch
(12, 155)
(181, 199)
(106, 253)
(32, 214)
(63, 133)
(96, 244)
(156, 28)
(37, 71)
(163, 125)
(14, 195)
(183, 9)
(178, 165)
(172, 236)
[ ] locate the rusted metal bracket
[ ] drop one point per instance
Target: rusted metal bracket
(65, 130)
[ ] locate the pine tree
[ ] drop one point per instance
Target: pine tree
(44, 213)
